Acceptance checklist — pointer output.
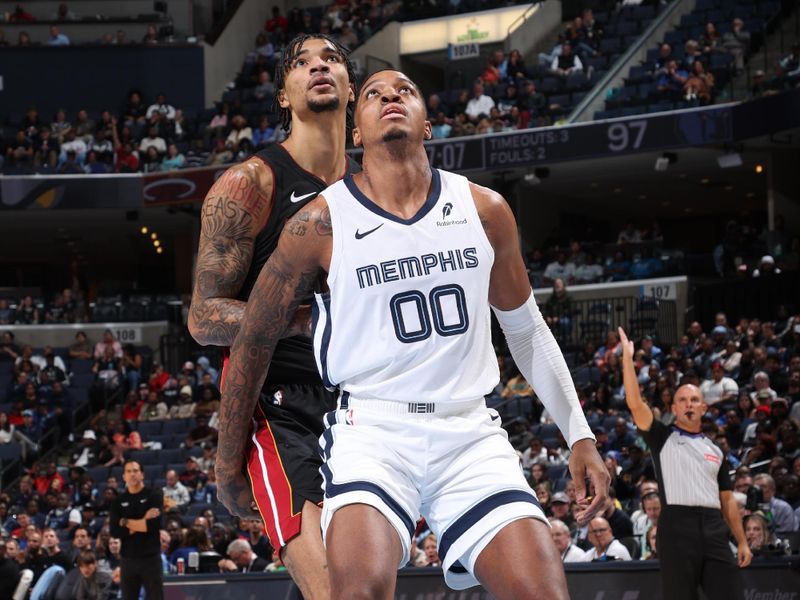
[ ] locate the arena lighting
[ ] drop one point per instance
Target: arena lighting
(729, 160)
(144, 230)
(156, 243)
(759, 169)
(160, 250)
(153, 236)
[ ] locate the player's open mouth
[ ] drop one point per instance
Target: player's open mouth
(393, 111)
(321, 82)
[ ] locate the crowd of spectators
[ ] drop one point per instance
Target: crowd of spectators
(57, 513)
(749, 373)
(64, 15)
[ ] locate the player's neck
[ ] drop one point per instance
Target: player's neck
(318, 145)
(398, 185)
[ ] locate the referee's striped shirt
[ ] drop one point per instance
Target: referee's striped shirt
(690, 468)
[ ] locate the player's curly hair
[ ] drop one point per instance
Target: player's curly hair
(284, 66)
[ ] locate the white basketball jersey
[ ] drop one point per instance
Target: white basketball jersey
(407, 314)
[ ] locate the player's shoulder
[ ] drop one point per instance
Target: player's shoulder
(314, 219)
(488, 202)
(244, 188)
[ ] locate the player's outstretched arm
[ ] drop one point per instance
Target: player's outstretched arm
(234, 211)
(535, 350)
(287, 278)
(642, 415)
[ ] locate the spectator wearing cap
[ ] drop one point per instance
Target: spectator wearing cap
(766, 267)
(86, 455)
(719, 388)
(604, 545)
(155, 409)
(185, 407)
(91, 521)
(563, 541)
(783, 519)
(30, 431)
(188, 371)
(560, 507)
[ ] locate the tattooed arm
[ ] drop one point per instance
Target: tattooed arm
(235, 210)
(302, 255)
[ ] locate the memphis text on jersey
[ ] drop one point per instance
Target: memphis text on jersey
(411, 267)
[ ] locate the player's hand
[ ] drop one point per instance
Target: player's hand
(152, 513)
(301, 322)
(627, 345)
(585, 462)
(744, 555)
(233, 490)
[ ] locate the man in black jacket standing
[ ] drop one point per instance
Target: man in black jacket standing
(135, 518)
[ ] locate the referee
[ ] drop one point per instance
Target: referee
(696, 495)
(135, 518)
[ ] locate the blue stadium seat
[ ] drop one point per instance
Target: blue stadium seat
(148, 429)
(556, 472)
(576, 81)
(610, 45)
(153, 472)
(549, 85)
(83, 380)
(643, 13)
(548, 430)
(171, 455)
(627, 28)
(182, 426)
(9, 452)
(145, 457)
(98, 474)
(80, 365)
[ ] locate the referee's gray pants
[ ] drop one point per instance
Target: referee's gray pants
(692, 545)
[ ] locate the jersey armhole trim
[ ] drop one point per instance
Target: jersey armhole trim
(333, 268)
(477, 225)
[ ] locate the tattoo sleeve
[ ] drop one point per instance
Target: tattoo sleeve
(280, 287)
(230, 215)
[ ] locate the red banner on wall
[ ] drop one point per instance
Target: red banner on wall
(179, 187)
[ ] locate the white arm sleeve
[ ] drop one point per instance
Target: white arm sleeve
(536, 353)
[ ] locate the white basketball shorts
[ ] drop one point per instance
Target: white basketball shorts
(453, 466)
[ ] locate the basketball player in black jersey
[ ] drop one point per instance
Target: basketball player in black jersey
(242, 217)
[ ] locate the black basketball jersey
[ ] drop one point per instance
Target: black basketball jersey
(292, 188)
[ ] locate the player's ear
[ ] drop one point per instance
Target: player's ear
(428, 130)
(283, 101)
(356, 137)
(351, 95)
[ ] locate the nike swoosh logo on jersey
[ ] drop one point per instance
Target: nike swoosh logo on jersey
(294, 198)
(366, 233)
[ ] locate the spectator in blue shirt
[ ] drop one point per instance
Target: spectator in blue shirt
(57, 38)
(619, 268)
(173, 160)
(262, 133)
(441, 129)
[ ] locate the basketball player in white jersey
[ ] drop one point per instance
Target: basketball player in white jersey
(413, 257)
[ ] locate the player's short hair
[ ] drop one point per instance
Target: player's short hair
(284, 66)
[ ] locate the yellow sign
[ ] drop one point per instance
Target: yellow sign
(485, 27)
